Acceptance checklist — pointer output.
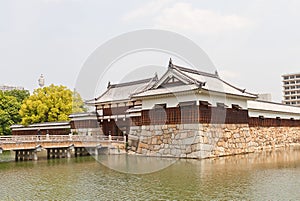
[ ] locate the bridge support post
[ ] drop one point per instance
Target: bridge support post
(96, 151)
(25, 154)
(76, 151)
(16, 156)
(68, 153)
(69, 150)
(57, 152)
(48, 153)
(35, 157)
(82, 151)
(34, 152)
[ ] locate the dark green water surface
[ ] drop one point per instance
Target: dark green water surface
(273, 175)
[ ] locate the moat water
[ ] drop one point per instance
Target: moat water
(270, 175)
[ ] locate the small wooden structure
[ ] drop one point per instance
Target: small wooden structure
(85, 123)
(79, 124)
(51, 128)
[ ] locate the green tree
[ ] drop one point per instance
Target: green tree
(48, 104)
(19, 94)
(78, 104)
(9, 113)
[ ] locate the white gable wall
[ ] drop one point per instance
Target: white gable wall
(172, 101)
(228, 100)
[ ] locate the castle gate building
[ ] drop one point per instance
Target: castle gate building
(192, 114)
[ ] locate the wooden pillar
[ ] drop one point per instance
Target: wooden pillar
(83, 151)
(21, 155)
(96, 151)
(76, 151)
(69, 153)
(48, 153)
(35, 157)
(16, 155)
(53, 152)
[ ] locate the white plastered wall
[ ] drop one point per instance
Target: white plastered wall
(272, 110)
(172, 101)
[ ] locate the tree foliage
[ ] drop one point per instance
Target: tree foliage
(20, 95)
(9, 112)
(78, 104)
(48, 104)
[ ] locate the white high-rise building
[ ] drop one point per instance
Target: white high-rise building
(291, 89)
(9, 88)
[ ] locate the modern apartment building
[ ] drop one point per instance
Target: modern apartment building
(291, 89)
(9, 88)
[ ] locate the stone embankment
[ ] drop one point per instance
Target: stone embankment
(208, 140)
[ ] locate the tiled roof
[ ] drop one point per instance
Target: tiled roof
(271, 106)
(196, 80)
(213, 82)
(169, 90)
(124, 91)
(193, 80)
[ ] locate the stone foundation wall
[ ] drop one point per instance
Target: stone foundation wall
(207, 140)
(269, 137)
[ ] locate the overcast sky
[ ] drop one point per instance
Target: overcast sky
(251, 43)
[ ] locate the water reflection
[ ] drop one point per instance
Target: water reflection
(134, 164)
(270, 175)
(6, 156)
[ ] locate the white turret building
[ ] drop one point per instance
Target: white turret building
(179, 87)
(194, 114)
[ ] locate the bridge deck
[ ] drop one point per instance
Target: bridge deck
(51, 141)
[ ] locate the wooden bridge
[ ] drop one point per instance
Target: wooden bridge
(60, 146)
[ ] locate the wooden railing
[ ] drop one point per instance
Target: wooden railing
(269, 122)
(59, 138)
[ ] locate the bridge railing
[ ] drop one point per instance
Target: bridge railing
(59, 138)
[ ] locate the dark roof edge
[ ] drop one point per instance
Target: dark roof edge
(245, 95)
(121, 85)
(197, 82)
(212, 75)
(131, 83)
(239, 89)
(195, 71)
(153, 79)
(276, 103)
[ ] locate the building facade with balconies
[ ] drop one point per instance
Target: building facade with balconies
(291, 89)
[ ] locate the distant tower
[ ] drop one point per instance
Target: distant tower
(41, 81)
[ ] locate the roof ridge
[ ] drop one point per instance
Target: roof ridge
(101, 95)
(194, 81)
(125, 84)
(131, 83)
(195, 71)
(180, 68)
(155, 79)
